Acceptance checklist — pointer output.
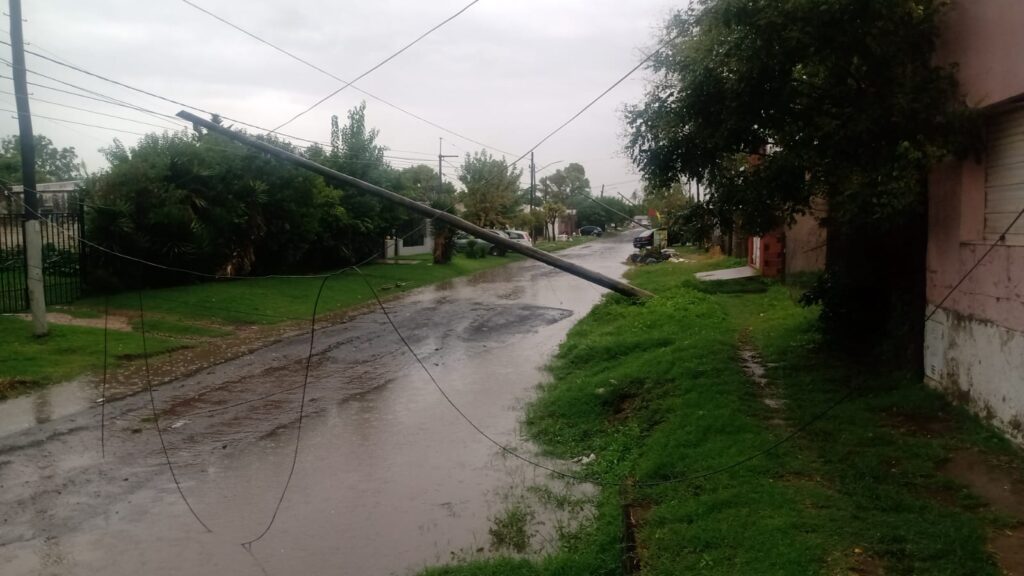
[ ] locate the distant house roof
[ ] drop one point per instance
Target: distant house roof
(69, 186)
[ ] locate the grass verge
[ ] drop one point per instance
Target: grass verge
(67, 352)
(656, 391)
(185, 316)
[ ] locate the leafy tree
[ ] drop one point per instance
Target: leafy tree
(53, 164)
(367, 219)
(591, 214)
(203, 203)
(491, 195)
(773, 102)
(560, 191)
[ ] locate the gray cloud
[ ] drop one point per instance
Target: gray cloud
(505, 72)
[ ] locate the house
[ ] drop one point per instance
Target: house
(419, 240)
(974, 335)
(53, 197)
(798, 247)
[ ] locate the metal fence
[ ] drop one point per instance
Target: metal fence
(62, 259)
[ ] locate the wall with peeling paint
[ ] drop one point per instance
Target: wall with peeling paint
(980, 364)
(974, 344)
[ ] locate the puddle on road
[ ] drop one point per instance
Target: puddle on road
(53, 402)
(389, 478)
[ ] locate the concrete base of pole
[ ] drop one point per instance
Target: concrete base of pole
(36, 291)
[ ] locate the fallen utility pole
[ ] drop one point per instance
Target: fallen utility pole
(414, 206)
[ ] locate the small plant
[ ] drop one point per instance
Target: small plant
(512, 529)
(481, 250)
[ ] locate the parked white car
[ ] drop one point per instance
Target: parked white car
(519, 237)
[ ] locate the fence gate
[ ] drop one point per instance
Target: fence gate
(62, 259)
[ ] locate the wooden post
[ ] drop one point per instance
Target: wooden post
(456, 222)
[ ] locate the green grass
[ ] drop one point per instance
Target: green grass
(275, 300)
(67, 352)
(185, 315)
(656, 392)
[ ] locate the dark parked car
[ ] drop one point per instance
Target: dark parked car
(462, 243)
(591, 231)
(644, 239)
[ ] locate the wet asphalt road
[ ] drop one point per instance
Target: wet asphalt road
(389, 478)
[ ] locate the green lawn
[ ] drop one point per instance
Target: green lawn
(67, 352)
(186, 315)
(656, 392)
(275, 300)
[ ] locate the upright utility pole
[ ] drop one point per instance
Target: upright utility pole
(440, 158)
(533, 182)
(33, 238)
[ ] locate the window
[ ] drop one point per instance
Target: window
(1004, 177)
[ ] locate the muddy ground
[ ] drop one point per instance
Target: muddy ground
(389, 478)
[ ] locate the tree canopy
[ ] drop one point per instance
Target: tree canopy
(202, 202)
(772, 102)
(491, 195)
(53, 164)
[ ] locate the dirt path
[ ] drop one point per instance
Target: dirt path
(1001, 486)
(119, 323)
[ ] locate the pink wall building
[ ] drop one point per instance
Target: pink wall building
(974, 341)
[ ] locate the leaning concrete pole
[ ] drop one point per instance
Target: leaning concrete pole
(33, 234)
(454, 221)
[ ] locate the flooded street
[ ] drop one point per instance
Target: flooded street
(389, 477)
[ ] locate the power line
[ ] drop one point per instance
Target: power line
(298, 430)
(156, 416)
(157, 96)
(992, 246)
(34, 99)
(376, 66)
(99, 97)
(690, 478)
(327, 73)
(77, 123)
(572, 118)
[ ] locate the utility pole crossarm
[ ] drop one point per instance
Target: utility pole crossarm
(454, 221)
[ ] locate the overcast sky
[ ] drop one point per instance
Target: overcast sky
(505, 73)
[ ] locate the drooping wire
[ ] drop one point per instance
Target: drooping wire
(574, 477)
(298, 429)
(339, 79)
(97, 96)
(991, 247)
(156, 417)
(376, 66)
(98, 113)
(75, 122)
(103, 386)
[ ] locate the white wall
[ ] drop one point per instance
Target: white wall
(979, 363)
